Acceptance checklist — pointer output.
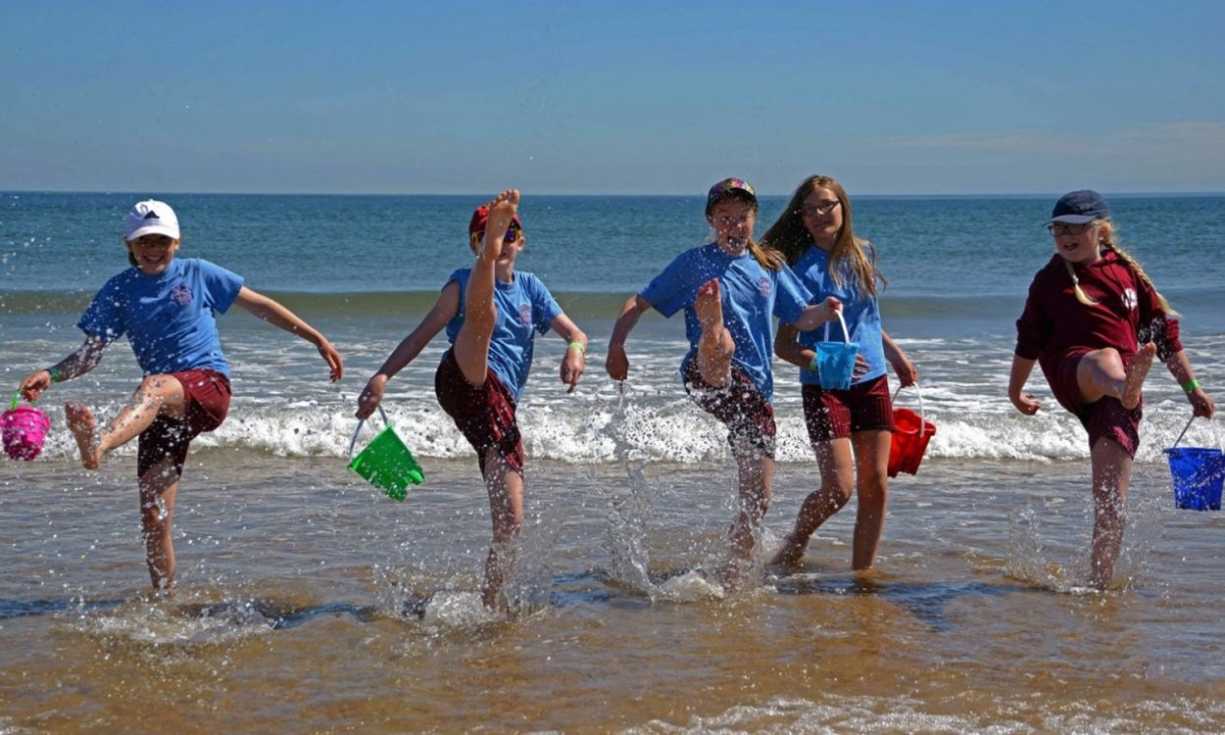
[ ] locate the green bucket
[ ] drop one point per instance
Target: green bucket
(386, 462)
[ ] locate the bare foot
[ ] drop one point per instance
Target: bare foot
(1136, 374)
(502, 209)
(84, 428)
(790, 554)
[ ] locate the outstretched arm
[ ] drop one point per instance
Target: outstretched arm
(617, 364)
(85, 358)
(1021, 368)
(575, 361)
(907, 373)
(274, 313)
(1180, 367)
(444, 309)
(814, 315)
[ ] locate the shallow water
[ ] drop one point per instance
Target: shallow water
(308, 602)
(308, 597)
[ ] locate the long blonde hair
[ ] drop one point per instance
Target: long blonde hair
(790, 237)
(1108, 238)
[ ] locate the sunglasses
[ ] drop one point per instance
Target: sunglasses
(1061, 228)
(511, 236)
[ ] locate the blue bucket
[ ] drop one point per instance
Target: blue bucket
(835, 361)
(1198, 474)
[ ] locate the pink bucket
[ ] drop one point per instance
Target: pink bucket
(24, 430)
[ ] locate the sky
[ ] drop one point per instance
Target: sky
(611, 97)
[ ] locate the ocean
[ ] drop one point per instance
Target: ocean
(308, 602)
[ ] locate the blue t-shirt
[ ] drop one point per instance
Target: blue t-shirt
(525, 307)
(752, 296)
(170, 319)
(861, 311)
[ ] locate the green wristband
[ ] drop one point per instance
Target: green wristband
(576, 345)
(56, 375)
(1190, 386)
(813, 366)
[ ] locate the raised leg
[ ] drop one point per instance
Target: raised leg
(715, 346)
(157, 395)
(1101, 373)
(480, 312)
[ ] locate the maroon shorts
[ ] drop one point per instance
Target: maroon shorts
(1105, 417)
(749, 417)
(836, 414)
(207, 394)
(485, 414)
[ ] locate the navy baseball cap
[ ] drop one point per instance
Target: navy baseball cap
(1080, 207)
(727, 188)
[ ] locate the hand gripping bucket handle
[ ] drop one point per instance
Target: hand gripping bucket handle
(1197, 473)
(846, 335)
(835, 361)
(922, 413)
(386, 462)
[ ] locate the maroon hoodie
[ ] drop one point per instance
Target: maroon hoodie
(1055, 325)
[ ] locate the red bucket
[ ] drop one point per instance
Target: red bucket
(911, 433)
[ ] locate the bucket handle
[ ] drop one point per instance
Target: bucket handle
(846, 336)
(922, 413)
(1216, 433)
(16, 400)
(357, 432)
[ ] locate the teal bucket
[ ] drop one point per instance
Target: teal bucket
(1198, 474)
(835, 361)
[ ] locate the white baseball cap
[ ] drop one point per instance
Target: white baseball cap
(151, 217)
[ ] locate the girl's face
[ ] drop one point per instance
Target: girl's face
(822, 215)
(512, 243)
(1077, 243)
(733, 220)
(153, 253)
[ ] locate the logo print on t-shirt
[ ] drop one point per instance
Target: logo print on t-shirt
(1129, 299)
(763, 286)
(525, 315)
(181, 294)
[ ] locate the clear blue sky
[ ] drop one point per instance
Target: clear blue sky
(611, 97)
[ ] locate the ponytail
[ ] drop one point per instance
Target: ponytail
(768, 257)
(1106, 227)
(1110, 241)
(1081, 296)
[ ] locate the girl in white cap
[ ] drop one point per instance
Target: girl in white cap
(167, 307)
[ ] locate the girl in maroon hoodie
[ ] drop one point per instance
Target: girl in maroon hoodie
(1094, 321)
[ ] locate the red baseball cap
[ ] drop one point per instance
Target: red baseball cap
(476, 225)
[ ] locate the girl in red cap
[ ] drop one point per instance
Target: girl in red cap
(491, 313)
(1094, 321)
